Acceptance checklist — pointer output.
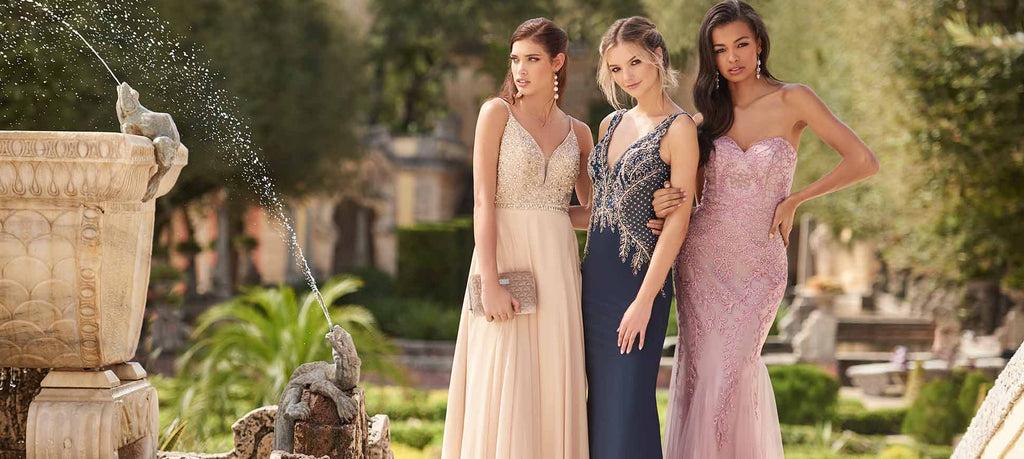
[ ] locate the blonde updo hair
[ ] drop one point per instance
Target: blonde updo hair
(639, 31)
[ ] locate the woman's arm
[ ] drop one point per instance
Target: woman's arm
(668, 199)
(580, 215)
(680, 145)
(858, 161)
(490, 125)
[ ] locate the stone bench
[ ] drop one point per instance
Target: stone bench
(884, 333)
(889, 378)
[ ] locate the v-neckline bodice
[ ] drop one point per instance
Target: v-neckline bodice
(533, 139)
(611, 130)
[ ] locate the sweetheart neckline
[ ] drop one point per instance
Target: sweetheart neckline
(751, 147)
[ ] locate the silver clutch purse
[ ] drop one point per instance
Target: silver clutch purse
(519, 283)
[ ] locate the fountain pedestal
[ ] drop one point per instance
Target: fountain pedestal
(83, 413)
(75, 245)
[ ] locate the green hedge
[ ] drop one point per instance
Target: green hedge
(804, 394)
(417, 434)
(434, 259)
(376, 284)
(412, 318)
(581, 241)
(875, 422)
(401, 403)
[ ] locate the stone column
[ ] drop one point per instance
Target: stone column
(94, 414)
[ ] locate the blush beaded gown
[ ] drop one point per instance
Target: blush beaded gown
(518, 388)
(730, 278)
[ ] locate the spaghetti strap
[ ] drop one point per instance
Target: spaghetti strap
(508, 106)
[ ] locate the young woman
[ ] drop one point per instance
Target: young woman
(518, 384)
(626, 288)
(732, 270)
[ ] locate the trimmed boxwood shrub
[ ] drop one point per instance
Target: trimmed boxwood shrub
(874, 422)
(434, 259)
(416, 433)
(935, 417)
(804, 394)
(968, 398)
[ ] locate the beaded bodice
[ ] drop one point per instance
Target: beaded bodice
(529, 180)
(748, 184)
(623, 191)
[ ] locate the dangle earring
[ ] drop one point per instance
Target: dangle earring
(556, 86)
(759, 68)
(718, 77)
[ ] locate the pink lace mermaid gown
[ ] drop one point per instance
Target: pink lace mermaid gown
(730, 279)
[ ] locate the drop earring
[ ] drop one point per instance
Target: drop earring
(718, 77)
(759, 68)
(556, 86)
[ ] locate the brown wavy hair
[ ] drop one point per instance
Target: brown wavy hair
(553, 39)
(639, 31)
(715, 105)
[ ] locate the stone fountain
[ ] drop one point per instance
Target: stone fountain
(76, 234)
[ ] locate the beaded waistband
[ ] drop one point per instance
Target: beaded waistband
(532, 205)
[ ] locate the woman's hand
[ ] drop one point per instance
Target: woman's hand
(783, 221)
(667, 200)
(498, 302)
(634, 324)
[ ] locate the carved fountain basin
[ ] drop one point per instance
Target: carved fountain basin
(75, 246)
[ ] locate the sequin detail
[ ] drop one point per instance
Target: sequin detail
(623, 193)
(528, 180)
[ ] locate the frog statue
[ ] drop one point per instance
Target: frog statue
(334, 381)
(158, 127)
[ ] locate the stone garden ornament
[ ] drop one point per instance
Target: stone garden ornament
(158, 127)
(335, 382)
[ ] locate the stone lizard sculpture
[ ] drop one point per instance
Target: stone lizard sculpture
(331, 381)
(158, 127)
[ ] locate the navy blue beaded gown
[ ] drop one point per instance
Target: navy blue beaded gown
(622, 411)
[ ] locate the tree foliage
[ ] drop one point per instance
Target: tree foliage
(277, 79)
(968, 88)
(415, 44)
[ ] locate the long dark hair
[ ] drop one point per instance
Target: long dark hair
(715, 104)
(553, 39)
